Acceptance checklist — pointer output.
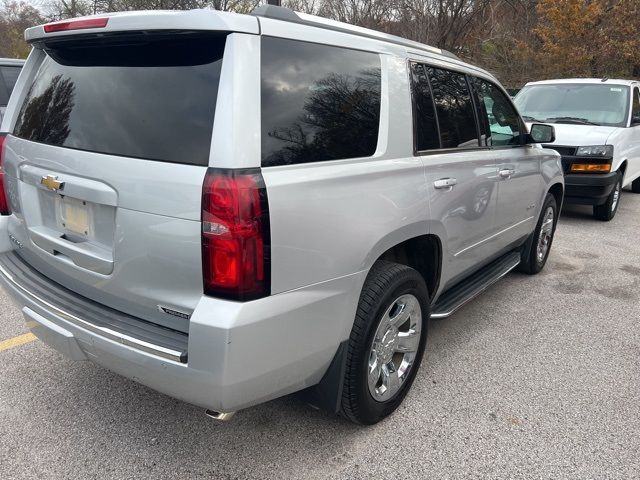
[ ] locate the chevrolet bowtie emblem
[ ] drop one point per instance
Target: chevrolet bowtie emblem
(52, 183)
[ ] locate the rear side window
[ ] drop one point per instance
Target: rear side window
(4, 93)
(10, 75)
(426, 126)
(318, 102)
(499, 120)
(454, 107)
(150, 97)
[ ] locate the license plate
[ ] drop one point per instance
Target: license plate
(74, 216)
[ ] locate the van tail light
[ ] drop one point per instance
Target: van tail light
(4, 201)
(235, 235)
(76, 25)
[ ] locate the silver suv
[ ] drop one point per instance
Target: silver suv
(230, 208)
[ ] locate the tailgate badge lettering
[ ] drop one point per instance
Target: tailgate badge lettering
(52, 183)
(15, 241)
(175, 313)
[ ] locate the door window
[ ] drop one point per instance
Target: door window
(426, 127)
(454, 107)
(499, 122)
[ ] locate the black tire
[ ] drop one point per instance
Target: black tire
(635, 186)
(386, 282)
(608, 209)
(530, 262)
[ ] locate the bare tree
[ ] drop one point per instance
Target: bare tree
(15, 17)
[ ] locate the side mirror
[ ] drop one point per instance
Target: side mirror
(541, 133)
(635, 120)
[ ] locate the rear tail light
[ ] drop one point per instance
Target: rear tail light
(76, 25)
(4, 201)
(235, 235)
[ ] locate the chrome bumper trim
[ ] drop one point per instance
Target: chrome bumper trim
(108, 333)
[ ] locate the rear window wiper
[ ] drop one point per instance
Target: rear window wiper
(576, 120)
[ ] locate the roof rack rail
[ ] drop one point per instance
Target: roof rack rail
(288, 15)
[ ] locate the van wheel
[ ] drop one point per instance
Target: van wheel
(534, 259)
(608, 209)
(386, 343)
(635, 186)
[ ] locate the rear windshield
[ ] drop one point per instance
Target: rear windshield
(8, 78)
(152, 98)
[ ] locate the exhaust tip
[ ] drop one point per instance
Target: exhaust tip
(220, 416)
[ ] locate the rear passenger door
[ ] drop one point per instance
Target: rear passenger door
(519, 177)
(461, 175)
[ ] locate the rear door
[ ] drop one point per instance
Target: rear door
(105, 167)
(520, 180)
(461, 175)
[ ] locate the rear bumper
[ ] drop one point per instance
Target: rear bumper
(239, 354)
(589, 189)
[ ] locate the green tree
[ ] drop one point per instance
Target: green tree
(15, 17)
(593, 38)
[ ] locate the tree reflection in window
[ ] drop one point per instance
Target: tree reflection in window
(455, 110)
(45, 117)
(319, 103)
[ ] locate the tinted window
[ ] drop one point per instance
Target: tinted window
(500, 122)
(318, 102)
(10, 75)
(455, 111)
(426, 133)
(4, 94)
(153, 98)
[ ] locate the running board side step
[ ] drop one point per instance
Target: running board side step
(471, 287)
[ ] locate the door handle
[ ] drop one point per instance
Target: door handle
(506, 173)
(445, 183)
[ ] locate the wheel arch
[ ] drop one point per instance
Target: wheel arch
(422, 253)
(557, 190)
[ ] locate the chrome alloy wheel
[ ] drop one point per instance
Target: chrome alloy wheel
(394, 347)
(546, 234)
(616, 197)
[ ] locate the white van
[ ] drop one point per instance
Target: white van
(597, 133)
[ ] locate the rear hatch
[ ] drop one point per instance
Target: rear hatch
(105, 167)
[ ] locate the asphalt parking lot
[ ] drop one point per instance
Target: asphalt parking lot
(537, 378)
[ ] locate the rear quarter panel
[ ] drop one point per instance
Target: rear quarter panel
(331, 219)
